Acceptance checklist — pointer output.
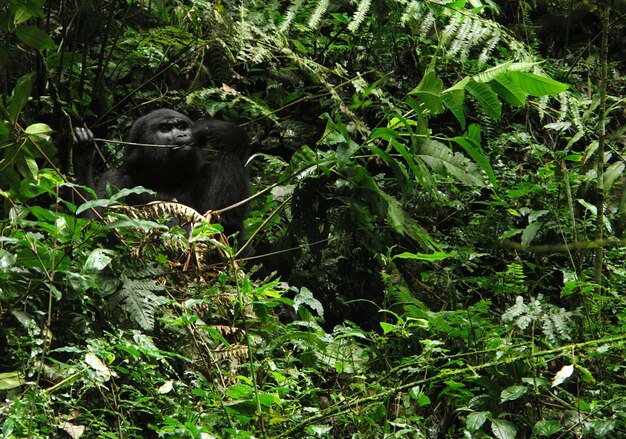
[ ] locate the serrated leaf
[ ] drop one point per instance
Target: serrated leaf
(563, 374)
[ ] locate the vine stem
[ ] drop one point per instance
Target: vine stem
(599, 251)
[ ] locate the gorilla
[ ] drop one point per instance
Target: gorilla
(201, 164)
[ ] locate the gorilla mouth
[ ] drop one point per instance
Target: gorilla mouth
(184, 147)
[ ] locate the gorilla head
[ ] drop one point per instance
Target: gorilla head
(178, 155)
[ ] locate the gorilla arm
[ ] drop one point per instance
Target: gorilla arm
(225, 178)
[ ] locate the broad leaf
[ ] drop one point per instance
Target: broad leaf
(503, 429)
(491, 73)
(429, 92)
(431, 257)
(475, 420)
(441, 159)
(487, 98)
(475, 152)
(453, 99)
(563, 374)
(512, 393)
(35, 37)
(509, 89)
(20, 95)
(612, 173)
(536, 85)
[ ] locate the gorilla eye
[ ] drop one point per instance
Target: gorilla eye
(182, 126)
(165, 127)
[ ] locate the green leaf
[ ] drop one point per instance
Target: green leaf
(585, 374)
(512, 393)
(536, 85)
(35, 37)
(491, 73)
(503, 429)
(98, 260)
(475, 421)
(387, 328)
(423, 400)
(602, 428)
(454, 97)
(305, 297)
(27, 166)
(11, 380)
(440, 158)
(38, 129)
(23, 14)
(530, 232)
(20, 95)
(429, 92)
(547, 427)
(509, 89)
(432, 257)
(474, 150)
(612, 173)
(486, 97)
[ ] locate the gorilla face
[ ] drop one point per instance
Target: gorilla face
(172, 132)
(168, 128)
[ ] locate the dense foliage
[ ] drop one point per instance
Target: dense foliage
(436, 236)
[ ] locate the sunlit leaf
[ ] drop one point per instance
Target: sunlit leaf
(563, 374)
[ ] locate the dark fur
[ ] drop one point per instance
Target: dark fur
(207, 171)
(229, 182)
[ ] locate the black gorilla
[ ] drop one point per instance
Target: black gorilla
(201, 165)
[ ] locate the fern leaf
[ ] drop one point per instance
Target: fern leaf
(290, 15)
(320, 10)
(359, 15)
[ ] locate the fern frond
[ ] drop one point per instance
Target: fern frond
(292, 11)
(320, 10)
(414, 10)
(359, 15)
